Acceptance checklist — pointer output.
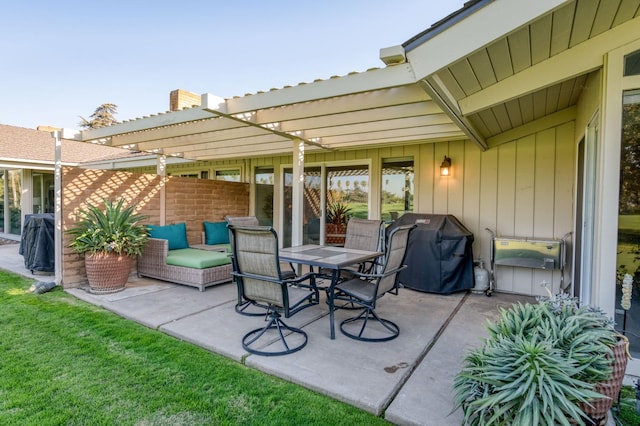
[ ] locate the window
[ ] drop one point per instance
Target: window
(397, 187)
(43, 192)
(230, 175)
(628, 258)
(10, 201)
(187, 175)
(632, 64)
(264, 195)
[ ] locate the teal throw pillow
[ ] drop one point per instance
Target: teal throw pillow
(175, 234)
(216, 233)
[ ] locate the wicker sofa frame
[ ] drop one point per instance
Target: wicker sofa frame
(153, 264)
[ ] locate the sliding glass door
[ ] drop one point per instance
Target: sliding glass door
(628, 262)
(332, 195)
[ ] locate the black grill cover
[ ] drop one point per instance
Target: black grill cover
(439, 255)
(37, 242)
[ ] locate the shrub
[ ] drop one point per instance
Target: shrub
(539, 363)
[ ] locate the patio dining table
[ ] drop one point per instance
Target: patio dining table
(327, 257)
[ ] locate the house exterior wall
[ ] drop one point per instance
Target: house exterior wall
(524, 187)
(187, 200)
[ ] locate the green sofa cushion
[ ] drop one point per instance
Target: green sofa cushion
(197, 259)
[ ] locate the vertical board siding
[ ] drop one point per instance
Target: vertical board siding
(523, 188)
(472, 189)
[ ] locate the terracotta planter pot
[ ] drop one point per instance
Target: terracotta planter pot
(335, 233)
(107, 272)
(599, 408)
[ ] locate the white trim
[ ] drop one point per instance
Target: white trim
(26, 196)
(476, 31)
(58, 207)
(591, 145)
(606, 218)
(297, 198)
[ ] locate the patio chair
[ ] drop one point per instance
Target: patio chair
(365, 234)
(244, 307)
(261, 282)
(362, 234)
(365, 289)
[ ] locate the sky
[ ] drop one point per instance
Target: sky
(61, 60)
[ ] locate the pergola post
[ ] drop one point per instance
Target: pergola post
(58, 207)
(161, 170)
(297, 199)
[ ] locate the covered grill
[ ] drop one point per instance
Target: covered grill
(439, 256)
(37, 243)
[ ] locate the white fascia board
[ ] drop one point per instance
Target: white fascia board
(582, 58)
(488, 24)
(371, 80)
(12, 163)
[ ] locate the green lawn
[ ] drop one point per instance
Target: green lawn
(64, 361)
(360, 210)
(630, 221)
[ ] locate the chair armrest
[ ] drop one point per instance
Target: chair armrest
(296, 281)
(387, 273)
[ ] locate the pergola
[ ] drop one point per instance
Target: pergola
(473, 75)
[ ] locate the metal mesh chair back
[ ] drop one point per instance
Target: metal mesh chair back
(242, 220)
(364, 234)
(394, 256)
(256, 256)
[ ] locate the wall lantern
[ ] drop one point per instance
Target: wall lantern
(445, 167)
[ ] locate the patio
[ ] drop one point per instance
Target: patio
(407, 380)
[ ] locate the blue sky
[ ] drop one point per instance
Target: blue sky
(61, 60)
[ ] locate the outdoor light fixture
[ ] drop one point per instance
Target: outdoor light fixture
(445, 167)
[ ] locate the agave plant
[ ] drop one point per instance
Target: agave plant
(539, 363)
(338, 213)
(114, 229)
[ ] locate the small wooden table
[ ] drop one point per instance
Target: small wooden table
(328, 257)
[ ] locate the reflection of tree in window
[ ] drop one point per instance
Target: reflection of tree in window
(228, 175)
(264, 195)
(397, 187)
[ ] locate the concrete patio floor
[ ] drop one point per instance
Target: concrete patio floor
(408, 381)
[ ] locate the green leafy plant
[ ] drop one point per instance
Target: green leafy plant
(338, 213)
(115, 229)
(539, 363)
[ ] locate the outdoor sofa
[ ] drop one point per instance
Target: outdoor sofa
(168, 257)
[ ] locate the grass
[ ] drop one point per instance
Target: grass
(68, 362)
(628, 416)
(360, 210)
(630, 222)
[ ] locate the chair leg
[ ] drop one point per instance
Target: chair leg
(275, 323)
(364, 318)
(241, 308)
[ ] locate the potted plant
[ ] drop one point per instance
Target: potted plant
(336, 225)
(109, 237)
(541, 365)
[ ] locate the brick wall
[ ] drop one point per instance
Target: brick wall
(187, 200)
